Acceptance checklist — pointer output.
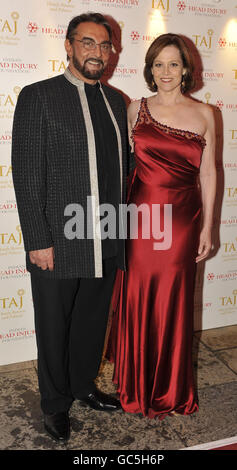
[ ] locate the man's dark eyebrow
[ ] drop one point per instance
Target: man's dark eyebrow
(91, 39)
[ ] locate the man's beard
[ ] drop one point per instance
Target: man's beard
(87, 73)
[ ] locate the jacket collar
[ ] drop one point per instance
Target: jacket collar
(74, 80)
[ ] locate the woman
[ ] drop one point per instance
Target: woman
(151, 336)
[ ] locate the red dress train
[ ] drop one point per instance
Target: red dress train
(151, 335)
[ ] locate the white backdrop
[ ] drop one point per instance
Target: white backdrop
(32, 36)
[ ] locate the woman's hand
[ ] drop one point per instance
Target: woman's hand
(204, 245)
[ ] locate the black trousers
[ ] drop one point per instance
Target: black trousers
(71, 317)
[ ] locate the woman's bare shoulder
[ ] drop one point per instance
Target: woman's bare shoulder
(203, 111)
(204, 108)
(133, 107)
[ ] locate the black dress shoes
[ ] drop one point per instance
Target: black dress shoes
(100, 401)
(58, 426)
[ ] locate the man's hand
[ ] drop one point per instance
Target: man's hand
(44, 259)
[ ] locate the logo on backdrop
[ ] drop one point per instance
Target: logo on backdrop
(231, 107)
(5, 176)
(227, 106)
(54, 32)
(181, 5)
(224, 44)
(9, 29)
(231, 165)
(12, 306)
(66, 6)
(210, 276)
(228, 303)
(233, 82)
(207, 97)
(137, 36)
(118, 3)
(56, 66)
(231, 196)
(210, 75)
(162, 5)
(121, 24)
(229, 250)
(221, 105)
(83, 2)
(16, 334)
(8, 102)
(230, 221)
(11, 242)
(120, 71)
(232, 143)
(5, 138)
(14, 272)
(227, 276)
(32, 27)
(204, 42)
(8, 206)
(17, 66)
(191, 7)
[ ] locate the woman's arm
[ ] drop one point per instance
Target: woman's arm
(208, 184)
(132, 113)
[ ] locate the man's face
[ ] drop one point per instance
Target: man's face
(87, 64)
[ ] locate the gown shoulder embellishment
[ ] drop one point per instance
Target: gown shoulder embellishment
(144, 116)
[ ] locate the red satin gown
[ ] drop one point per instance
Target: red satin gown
(150, 341)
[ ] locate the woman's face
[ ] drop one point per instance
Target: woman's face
(167, 69)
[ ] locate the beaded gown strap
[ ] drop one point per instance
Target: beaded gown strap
(141, 117)
(148, 118)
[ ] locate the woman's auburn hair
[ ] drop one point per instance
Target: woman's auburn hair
(156, 47)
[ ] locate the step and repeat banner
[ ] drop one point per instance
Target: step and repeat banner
(32, 34)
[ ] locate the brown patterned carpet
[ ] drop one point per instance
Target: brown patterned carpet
(215, 356)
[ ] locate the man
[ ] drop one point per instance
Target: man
(70, 144)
